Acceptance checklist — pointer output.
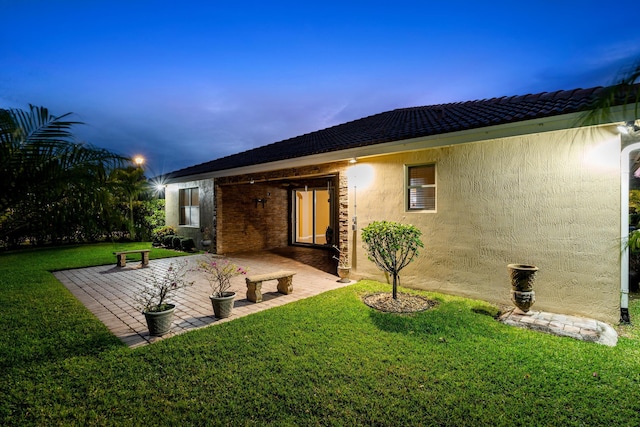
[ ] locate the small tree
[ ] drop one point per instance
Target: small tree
(391, 246)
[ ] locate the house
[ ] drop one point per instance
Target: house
(489, 182)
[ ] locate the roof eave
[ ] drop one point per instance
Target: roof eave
(527, 127)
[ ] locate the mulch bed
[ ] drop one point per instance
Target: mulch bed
(405, 303)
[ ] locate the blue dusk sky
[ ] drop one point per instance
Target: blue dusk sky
(185, 82)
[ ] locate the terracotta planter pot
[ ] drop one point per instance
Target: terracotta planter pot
(159, 322)
(522, 279)
(222, 306)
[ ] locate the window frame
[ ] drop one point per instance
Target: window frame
(408, 188)
(186, 219)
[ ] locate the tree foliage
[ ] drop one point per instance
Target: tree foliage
(128, 184)
(391, 246)
(148, 217)
(54, 187)
(625, 92)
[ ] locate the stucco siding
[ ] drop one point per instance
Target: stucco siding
(542, 199)
(207, 208)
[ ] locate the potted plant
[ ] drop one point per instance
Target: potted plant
(206, 238)
(344, 268)
(152, 301)
(219, 272)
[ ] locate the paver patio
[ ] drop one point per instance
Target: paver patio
(108, 292)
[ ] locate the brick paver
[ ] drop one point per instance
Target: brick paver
(563, 325)
(107, 291)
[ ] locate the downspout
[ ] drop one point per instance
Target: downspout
(624, 230)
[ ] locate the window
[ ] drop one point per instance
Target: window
(421, 188)
(189, 207)
(312, 216)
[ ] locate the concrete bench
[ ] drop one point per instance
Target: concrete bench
(122, 256)
(254, 284)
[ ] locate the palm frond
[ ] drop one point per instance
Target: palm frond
(38, 126)
(625, 92)
(42, 164)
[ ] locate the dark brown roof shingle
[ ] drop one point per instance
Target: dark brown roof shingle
(407, 123)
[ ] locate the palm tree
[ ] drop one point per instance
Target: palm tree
(129, 183)
(625, 92)
(51, 182)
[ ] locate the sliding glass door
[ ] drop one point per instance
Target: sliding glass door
(312, 215)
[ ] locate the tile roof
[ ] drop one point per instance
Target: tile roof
(406, 123)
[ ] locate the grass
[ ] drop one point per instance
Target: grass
(326, 360)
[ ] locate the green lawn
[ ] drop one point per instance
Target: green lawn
(327, 360)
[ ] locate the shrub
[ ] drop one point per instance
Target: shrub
(159, 233)
(154, 215)
(187, 244)
(168, 241)
(176, 242)
(391, 246)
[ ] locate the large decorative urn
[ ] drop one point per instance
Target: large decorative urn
(522, 278)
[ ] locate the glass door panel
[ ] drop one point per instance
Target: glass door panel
(312, 216)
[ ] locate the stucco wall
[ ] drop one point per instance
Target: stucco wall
(207, 208)
(542, 199)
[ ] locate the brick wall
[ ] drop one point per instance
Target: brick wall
(244, 224)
